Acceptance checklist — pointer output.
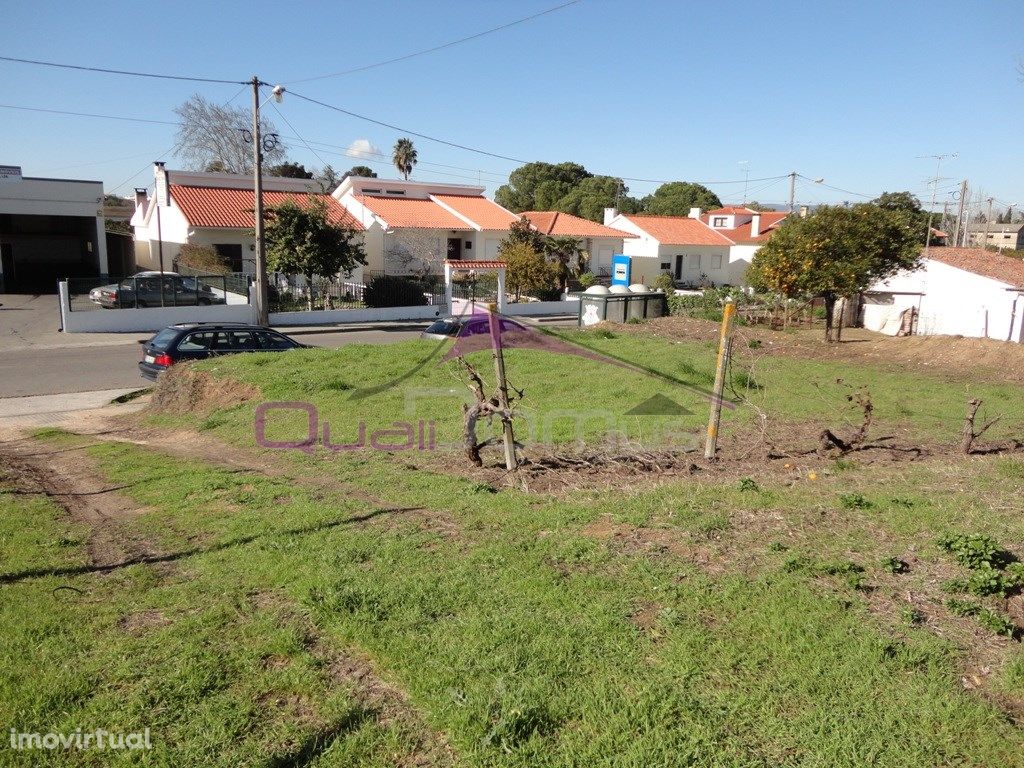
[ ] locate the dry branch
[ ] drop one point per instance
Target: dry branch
(970, 434)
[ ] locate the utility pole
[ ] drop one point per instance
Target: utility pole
(960, 214)
(262, 313)
(945, 216)
(931, 208)
(988, 220)
(792, 189)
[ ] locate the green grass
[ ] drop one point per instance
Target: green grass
(588, 400)
(510, 625)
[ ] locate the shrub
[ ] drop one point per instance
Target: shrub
(586, 279)
(664, 282)
(894, 565)
(393, 291)
(203, 258)
(974, 550)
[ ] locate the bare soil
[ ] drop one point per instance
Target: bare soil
(183, 389)
(70, 479)
(955, 357)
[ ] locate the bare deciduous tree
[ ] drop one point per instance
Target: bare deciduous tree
(415, 252)
(214, 136)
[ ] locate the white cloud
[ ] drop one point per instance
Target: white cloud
(364, 149)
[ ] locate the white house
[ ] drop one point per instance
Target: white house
(415, 226)
(956, 292)
(50, 229)
(600, 241)
(713, 248)
(214, 210)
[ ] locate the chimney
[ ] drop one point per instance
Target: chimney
(695, 213)
(140, 198)
(803, 211)
(755, 225)
(609, 214)
(162, 184)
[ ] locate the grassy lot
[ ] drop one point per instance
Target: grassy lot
(369, 608)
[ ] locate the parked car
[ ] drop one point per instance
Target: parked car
(155, 289)
(198, 341)
(451, 327)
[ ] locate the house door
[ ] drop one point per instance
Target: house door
(679, 266)
(454, 248)
(693, 269)
(232, 254)
(7, 265)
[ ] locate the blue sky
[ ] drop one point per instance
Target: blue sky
(850, 92)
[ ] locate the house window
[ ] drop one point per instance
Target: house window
(396, 191)
(666, 265)
(718, 221)
(371, 191)
(716, 262)
(469, 245)
(694, 263)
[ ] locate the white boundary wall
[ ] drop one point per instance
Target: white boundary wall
(339, 316)
(535, 308)
(155, 318)
(149, 319)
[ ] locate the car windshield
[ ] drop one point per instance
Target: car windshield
(163, 339)
(442, 327)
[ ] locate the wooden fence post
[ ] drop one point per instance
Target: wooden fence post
(724, 352)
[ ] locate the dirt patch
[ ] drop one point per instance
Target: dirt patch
(183, 389)
(70, 479)
(376, 698)
(646, 616)
(635, 540)
(950, 356)
(143, 621)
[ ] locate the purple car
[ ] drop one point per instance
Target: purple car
(453, 327)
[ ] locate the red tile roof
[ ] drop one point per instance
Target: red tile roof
(741, 234)
(485, 213)
(679, 230)
(412, 212)
(565, 224)
(1006, 269)
(730, 210)
(227, 208)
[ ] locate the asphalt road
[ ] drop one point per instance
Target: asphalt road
(37, 359)
(49, 370)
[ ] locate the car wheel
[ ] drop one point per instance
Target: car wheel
(204, 302)
(141, 304)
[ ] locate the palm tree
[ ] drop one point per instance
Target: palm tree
(404, 157)
(567, 252)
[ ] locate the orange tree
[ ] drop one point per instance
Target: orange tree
(836, 251)
(302, 240)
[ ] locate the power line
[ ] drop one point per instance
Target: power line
(89, 114)
(120, 71)
(346, 153)
(406, 130)
(837, 189)
(414, 54)
(486, 153)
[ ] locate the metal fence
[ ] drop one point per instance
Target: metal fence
(294, 293)
(143, 291)
(234, 282)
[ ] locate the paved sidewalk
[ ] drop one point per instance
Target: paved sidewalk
(54, 410)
